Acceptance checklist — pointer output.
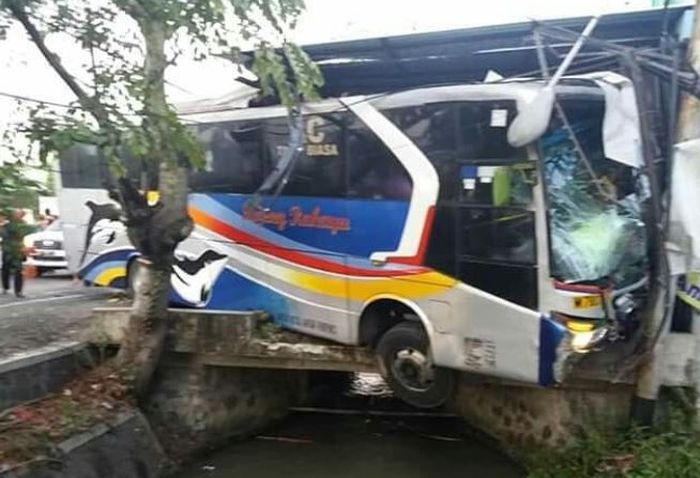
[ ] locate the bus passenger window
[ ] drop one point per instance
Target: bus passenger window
(232, 154)
(374, 171)
(433, 128)
(320, 169)
(483, 130)
(498, 234)
(82, 167)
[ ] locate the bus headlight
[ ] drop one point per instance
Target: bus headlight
(582, 342)
(625, 306)
(585, 334)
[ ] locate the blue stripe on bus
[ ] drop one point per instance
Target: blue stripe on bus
(375, 225)
(120, 257)
(551, 335)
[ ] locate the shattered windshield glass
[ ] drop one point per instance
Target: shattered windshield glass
(594, 204)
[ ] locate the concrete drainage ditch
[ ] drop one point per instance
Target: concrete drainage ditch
(215, 383)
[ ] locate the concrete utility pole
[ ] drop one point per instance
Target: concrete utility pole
(688, 128)
(651, 375)
(689, 114)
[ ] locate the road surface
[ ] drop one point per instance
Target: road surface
(55, 309)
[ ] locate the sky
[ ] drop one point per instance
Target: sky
(25, 73)
(329, 20)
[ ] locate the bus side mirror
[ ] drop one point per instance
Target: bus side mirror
(532, 120)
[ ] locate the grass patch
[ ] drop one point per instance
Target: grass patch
(669, 451)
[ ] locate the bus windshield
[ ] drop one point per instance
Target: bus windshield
(595, 204)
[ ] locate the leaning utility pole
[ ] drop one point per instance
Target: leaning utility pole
(685, 126)
(688, 128)
(689, 114)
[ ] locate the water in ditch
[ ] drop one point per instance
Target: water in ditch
(363, 434)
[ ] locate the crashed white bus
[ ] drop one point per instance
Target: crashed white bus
(410, 225)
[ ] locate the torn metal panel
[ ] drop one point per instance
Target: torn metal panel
(622, 139)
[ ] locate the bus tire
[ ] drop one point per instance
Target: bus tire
(404, 355)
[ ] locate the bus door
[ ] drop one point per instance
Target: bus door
(484, 228)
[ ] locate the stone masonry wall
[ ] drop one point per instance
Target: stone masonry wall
(523, 417)
(192, 406)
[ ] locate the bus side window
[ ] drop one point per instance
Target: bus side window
(82, 167)
(433, 128)
(232, 155)
(320, 169)
(374, 171)
(483, 129)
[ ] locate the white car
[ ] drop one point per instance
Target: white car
(46, 250)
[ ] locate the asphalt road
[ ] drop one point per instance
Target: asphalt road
(55, 308)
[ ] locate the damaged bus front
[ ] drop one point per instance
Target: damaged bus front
(548, 241)
(596, 198)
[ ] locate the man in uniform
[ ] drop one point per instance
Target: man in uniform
(12, 233)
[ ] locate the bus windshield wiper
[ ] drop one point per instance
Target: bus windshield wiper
(277, 179)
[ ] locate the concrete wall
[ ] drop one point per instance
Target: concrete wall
(193, 406)
(34, 374)
(523, 417)
(125, 448)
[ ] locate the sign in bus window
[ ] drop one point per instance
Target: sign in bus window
(483, 126)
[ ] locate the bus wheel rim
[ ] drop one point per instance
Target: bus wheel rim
(413, 369)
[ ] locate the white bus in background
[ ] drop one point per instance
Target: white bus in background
(408, 225)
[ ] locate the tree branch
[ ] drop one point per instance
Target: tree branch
(86, 101)
(21, 15)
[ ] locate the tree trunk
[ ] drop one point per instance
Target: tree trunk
(155, 230)
(156, 238)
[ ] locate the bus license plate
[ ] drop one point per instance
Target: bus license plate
(587, 302)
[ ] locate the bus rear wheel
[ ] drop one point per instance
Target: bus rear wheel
(404, 354)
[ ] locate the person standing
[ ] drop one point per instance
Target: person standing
(12, 234)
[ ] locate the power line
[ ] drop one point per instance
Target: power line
(35, 100)
(76, 107)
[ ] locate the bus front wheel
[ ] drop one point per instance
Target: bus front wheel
(404, 355)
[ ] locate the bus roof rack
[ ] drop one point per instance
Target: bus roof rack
(381, 64)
